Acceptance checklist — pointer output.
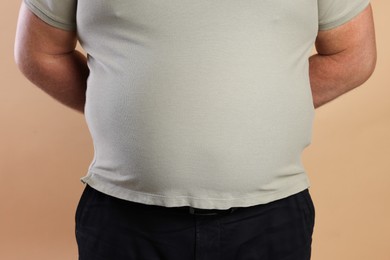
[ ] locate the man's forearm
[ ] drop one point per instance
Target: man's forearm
(334, 75)
(61, 76)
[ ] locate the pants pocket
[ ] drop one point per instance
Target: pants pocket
(310, 205)
(81, 205)
(309, 210)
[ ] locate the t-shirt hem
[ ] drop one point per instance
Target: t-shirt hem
(346, 18)
(202, 203)
(48, 17)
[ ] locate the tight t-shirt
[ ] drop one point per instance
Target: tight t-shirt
(202, 103)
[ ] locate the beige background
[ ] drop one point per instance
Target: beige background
(45, 148)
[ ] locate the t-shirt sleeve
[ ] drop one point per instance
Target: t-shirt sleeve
(333, 13)
(58, 13)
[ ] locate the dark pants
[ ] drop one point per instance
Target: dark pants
(108, 228)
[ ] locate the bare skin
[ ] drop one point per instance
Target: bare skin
(46, 55)
(346, 58)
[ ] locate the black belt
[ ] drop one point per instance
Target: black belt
(204, 212)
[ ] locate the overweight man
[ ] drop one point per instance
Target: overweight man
(199, 112)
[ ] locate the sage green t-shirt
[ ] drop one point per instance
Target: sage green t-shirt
(203, 103)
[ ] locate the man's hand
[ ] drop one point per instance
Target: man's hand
(47, 57)
(346, 58)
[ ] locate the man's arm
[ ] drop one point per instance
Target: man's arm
(47, 57)
(345, 59)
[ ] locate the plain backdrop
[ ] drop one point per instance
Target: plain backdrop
(45, 148)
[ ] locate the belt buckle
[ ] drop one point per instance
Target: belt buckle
(209, 212)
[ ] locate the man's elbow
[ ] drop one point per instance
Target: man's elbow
(361, 65)
(367, 54)
(22, 59)
(371, 64)
(28, 62)
(368, 66)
